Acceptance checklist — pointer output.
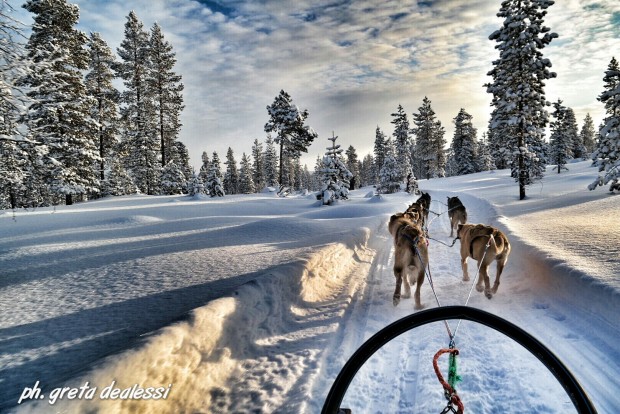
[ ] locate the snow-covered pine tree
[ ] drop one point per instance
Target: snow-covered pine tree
(99, 85)
(13, 156)
(430, 142)
(334, 175)
(204, 168)
(501, 155)
(402, 142)
(59, 115)
(287, 121)
(464, 146)
(367, 174)
(258, 170)
(270, 163)
(607, 154)
(214, 185)
(167, 90)
(246, 182)
(353, 166)
(379, 154)
(317, 177)
(586, 135)
(231, 175)
(138, 117)
(484, 160)
(577, 149)
(519, 76)
(195, 186)
(560, 140)
(180, 156)
(117, 180)
(173, 179)
(215, 164)
(389, 175)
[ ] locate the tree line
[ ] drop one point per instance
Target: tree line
(66, 132)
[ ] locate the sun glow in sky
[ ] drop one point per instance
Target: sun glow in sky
(350, 63)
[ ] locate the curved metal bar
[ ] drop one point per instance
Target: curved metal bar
(580, 399)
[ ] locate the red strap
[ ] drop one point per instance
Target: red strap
(453, 397)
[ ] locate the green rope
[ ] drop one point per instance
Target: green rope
(453, 378)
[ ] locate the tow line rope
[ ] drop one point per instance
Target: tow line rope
(449, 390)
(450, 386)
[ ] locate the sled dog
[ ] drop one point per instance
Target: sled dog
(425, 202)
(456, 212)
(410, 256)
(474, 241)
(415, 212)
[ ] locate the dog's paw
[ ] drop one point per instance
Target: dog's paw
(479, 288)
(418, 306)
(488, 294)
(396, 300)
(406, 295)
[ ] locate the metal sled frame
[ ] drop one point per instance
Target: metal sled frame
(572, 387)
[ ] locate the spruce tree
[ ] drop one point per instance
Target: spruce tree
(560, 140)
(166, 87)
(519, 76)
(430, 142)
(464, 146)
(335, 175)
(231, 175)
(587, 136)
(367, 175)
(379, 153)
(270, 163)
(389, 175)
(138, 117)
(258, 170)
(287, 121)
(99, 85)
(59, 115)
(607, 154)
(173, 179)
(246, 180)
(402, 142)
(353, 166)
(204, 168)
(214, 185)
(577, 149)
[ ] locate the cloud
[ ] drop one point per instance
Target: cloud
(350, 63)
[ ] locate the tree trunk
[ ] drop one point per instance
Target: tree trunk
(68, 199)
(280, 172)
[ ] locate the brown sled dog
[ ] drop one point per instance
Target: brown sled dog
(474, 241)
(410, 256)
(456, 212)
(420, 209)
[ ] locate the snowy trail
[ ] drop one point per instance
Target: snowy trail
(253, 304)
(399, 377)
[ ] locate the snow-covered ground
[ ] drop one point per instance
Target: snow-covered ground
(254, 303)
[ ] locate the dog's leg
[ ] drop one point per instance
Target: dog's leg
(500, 268)
(398, 273)
(407, 282)
(484, 275)
(464, 267)
(451, 226)
(420, 275)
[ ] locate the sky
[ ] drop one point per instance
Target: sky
(253, 303)
(350, 63)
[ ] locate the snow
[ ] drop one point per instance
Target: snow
(253, 303)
